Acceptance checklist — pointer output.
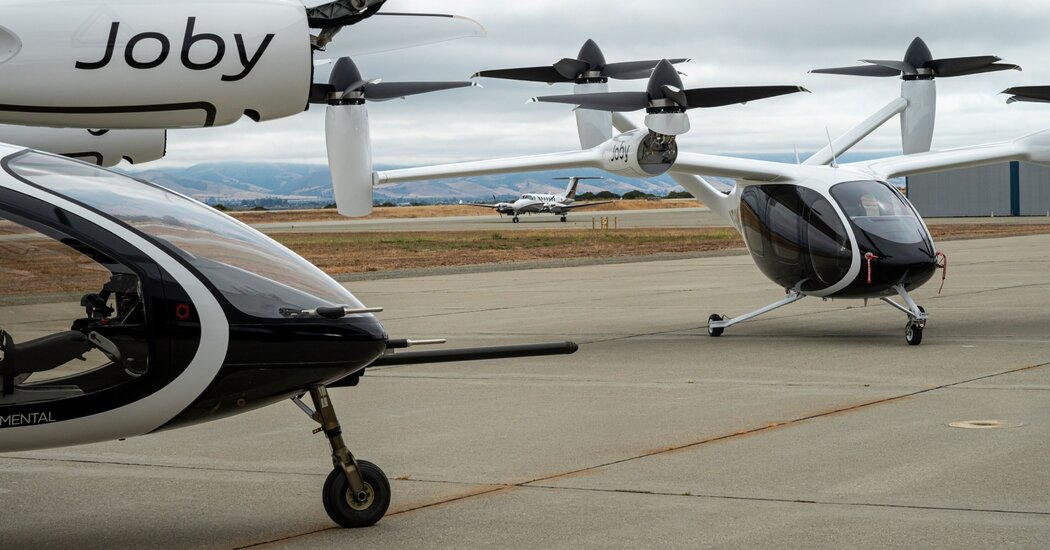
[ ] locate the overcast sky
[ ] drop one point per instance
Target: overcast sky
(739, 43)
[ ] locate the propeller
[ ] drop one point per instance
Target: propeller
(665, 95)
(346, 129)
(346, 83)
(589, 65)
(918, 63)
(1030, 94)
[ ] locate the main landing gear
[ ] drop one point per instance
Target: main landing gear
(716, 324)
(515, 219)
(916, 316)
(564, 219)
(357, 492)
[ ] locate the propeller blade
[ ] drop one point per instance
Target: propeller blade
(987, 69)
(393, 90)
(1029, 93)
(633, 70)
(571, 68)
(961, 65)
(612, 101)
(899, 66)
(384, 32)
(860, 70)
(530, 74)
(675, 94)
(1016, 98)
(717, 97)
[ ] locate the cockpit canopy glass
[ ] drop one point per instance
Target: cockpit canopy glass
(257, 275)
(878, 210)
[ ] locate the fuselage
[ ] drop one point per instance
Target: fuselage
(533, 203)
(183, 314)
(832, 232)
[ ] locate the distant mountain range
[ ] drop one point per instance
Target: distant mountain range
(232, 182)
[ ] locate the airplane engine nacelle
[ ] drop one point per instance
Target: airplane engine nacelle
(639, 154)
(101, 147)
(134, 64)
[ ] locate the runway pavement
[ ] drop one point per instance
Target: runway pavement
(815, 426)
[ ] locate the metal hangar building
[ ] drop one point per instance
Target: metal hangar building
(1008, 189)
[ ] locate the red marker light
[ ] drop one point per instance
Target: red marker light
(182, 312)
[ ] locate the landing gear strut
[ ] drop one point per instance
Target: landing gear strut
(357, 492)
(916, 316)
(716, 324)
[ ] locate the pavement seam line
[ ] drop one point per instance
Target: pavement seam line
(497, 488)
(793, 501)
(776, 425)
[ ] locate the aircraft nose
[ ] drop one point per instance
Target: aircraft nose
(910, 266)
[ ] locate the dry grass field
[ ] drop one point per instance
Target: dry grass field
(436, 211)
(343, 253)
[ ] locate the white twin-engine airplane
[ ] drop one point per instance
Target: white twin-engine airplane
(149, 66)
(539, 203)
(817, 228)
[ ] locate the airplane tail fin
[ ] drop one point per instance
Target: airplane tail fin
(574, 182)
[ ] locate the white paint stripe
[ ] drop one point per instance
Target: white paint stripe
(153, 411)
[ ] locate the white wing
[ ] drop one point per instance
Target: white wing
(732, 167)
(590, 158)
(1031, 148)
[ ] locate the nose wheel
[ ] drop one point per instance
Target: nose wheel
(515, 219)
(913, 330)
(349, 509)
(356, 492)
(916, 316)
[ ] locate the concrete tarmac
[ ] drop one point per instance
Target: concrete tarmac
(814, 426)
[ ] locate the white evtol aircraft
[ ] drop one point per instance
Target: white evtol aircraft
(818, 228)
(539, 203)
(151, 66)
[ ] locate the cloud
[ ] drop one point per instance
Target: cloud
(742, 43)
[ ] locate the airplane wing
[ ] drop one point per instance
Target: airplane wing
(1031, 148)
(576, 205)
(589, 158)
(733, 167)
(477, 204)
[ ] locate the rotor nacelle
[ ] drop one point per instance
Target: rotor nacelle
(639, 154)
(138, 64)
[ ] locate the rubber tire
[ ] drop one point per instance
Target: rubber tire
(913, 334)
(564, 219)
(515, 219)
(336, 498)
(711, 331)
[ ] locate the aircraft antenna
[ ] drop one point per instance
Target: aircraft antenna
(797, 159)
(831, 147)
